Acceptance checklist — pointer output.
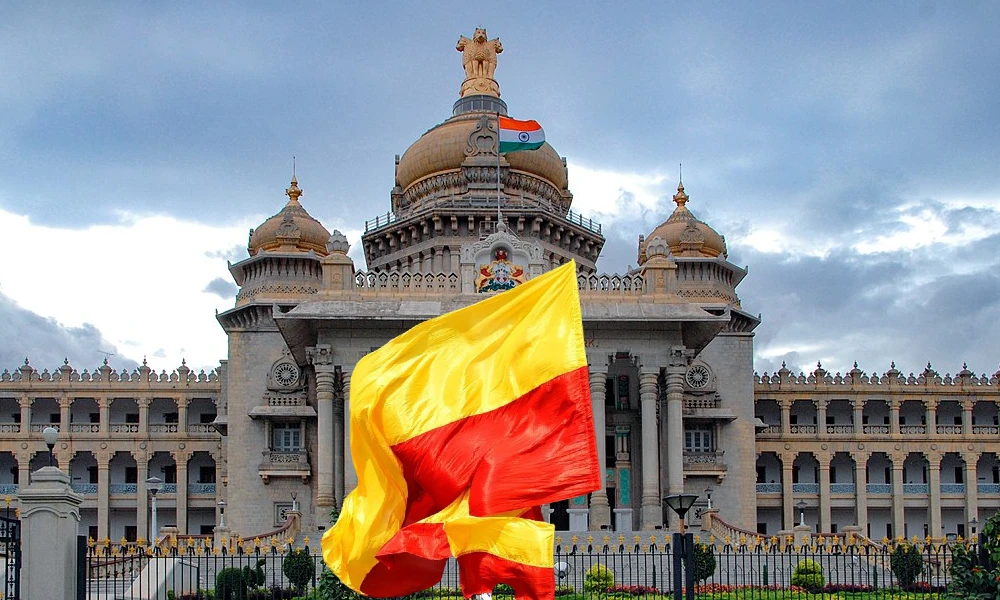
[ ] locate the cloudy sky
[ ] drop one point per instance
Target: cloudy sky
(849, 153)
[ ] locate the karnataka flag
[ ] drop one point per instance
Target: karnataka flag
(460, 429)
(520, 135)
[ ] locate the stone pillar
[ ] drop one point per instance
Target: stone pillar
(824, 492)
(321, 357)
(821, 418)
(350, 475)
(787, 490)
(934, 482)
(23, 469)
(182, 416)
(786, 416)
(861, 490)
(674, 433)
(143, 415)
(25, 404)
(971, 486)
(338, 447)
(930, 405)
(651, 514)
(894, 416)
(103, 493)
(50, 520)
(64, 405)
(104, 408)
(898, 519)
(600, 510)
(142, 497)
(858, 404)
(181, 460)
(967, 417)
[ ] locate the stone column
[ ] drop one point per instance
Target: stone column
(103, 493)
(786, 415)
(967, 417)
(894, 416)
(25, 403)
(50, 520)
(971, 486)
(182, 415)
(674, 431)
(821, 417)
(64, 405)
(858, 404)
(321, 357)
(934, 482)
(600, 510)
(861, 490)
(651, 514)
(824, 492)
(338, 446)
(181, 460)
(104, 408)
(787, 490)
(930, 405)
(350, 475)
(898, 518)
(143, 415)
(142, 497)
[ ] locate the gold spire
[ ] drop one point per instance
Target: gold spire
(680, 198)
(293, 192)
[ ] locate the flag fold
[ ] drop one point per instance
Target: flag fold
(460, 429)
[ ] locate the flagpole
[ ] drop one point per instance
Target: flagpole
(499, 216)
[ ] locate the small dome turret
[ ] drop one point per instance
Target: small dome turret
(685, 234)
(291, 230)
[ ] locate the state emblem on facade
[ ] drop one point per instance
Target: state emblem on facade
(500, 275)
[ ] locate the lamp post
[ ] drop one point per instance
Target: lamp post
(50, 435)
(683, 545)
(153, 484)
(708, 494)
(802, 512)
(222, 513)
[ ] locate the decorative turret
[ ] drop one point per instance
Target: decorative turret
(685, 234)
(290, 230)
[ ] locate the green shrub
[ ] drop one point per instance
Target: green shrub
(565, 590)
(502, 589)
(906, 564)
(234, 583)
(299, 568)
(598, 579)
(704, 562)
(975, 576)
(808, 575)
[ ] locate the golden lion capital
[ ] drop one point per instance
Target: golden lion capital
(479, 58)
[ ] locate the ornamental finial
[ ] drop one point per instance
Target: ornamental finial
(479, 58)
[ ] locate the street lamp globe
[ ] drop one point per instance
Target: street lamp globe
(50, 435)
(680, 504)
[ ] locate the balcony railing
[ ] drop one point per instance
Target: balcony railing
(949, 429)
(168, 488)
(10, 428)
(39, 427)
(84, 427)
(201, 489)
(768, 488)
(803, 429)
(124, 428)
(988, 488)
(986, 430)
(8, 489)
(123, 489)
(952, 488)
(879, 488)
(842, 488)
(162, 427)
(916, 488)
(201, 428)
(875, 429)
(805, 488)
(840, 429)
(87, 489)
(913, 429)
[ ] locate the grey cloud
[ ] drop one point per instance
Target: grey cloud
(46, 342)
(221, 288)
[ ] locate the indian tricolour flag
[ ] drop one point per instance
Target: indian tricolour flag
(520, 135)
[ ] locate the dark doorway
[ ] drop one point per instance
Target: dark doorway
(559, 517)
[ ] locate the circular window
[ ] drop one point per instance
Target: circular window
(286, 374)
(697, 376)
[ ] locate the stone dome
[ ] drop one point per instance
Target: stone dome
(685, 234)
(291, 230)
(446, 146)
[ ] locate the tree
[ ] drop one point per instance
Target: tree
(704, 562)
(906, 564)
(299, 568)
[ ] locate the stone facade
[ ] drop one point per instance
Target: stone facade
(677, 405)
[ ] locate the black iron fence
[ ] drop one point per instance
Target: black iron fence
(273, 570)
(10, 555)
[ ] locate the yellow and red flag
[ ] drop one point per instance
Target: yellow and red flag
(460, 429)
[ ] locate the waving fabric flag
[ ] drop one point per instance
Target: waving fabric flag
(460, 429)
(520, 135)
